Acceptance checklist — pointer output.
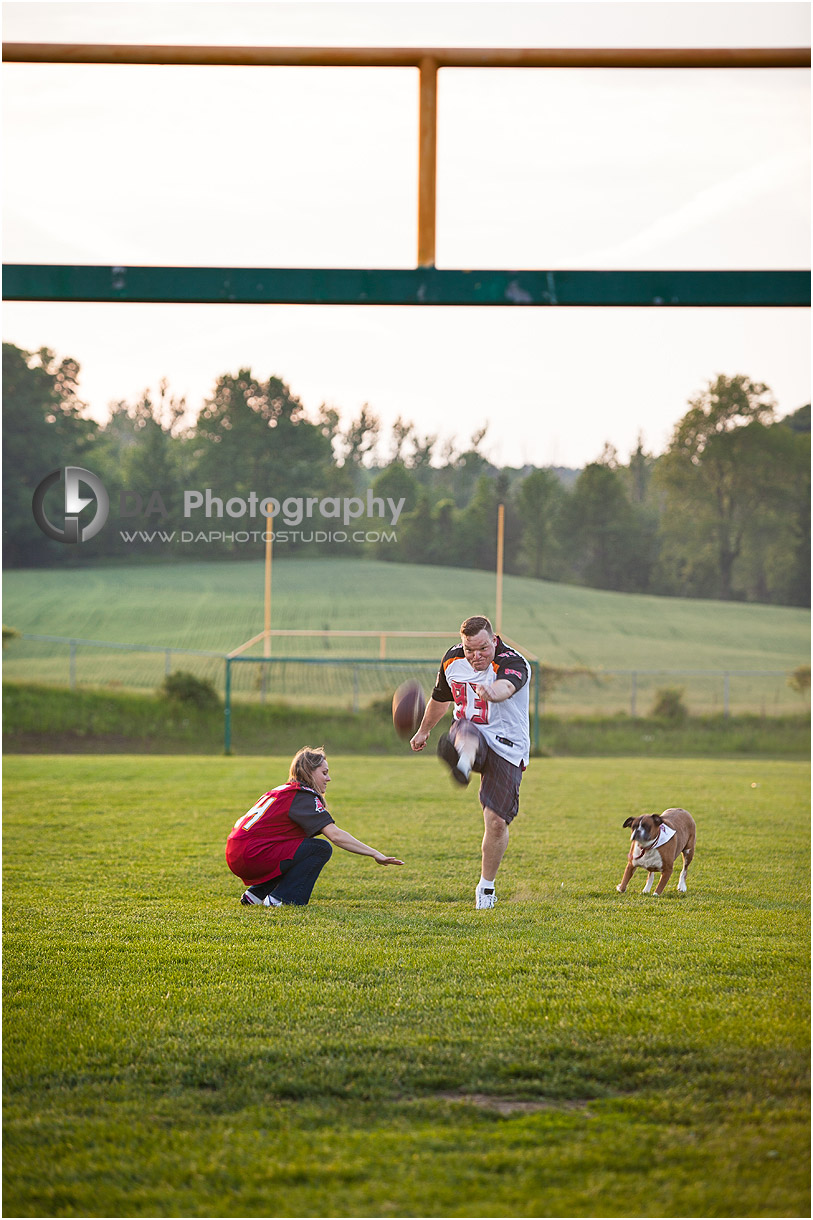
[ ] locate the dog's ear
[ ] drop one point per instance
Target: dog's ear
(629, 822)
(657, 819)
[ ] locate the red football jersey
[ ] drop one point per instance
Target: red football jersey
(272, 830)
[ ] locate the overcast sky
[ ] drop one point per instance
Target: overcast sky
(318, 167)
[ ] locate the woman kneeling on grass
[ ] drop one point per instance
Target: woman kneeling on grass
(273, 848)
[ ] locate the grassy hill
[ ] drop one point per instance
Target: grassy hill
(217, 606)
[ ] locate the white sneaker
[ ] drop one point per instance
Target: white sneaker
(251, 900)
(484, 898)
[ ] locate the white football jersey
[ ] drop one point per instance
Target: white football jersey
(504, 725)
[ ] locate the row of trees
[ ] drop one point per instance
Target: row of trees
(724, 512)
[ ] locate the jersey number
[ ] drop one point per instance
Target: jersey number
(255, 813)
(460, 692)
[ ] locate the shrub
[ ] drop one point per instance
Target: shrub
(184, 687)
(669, 704)
(799, 680)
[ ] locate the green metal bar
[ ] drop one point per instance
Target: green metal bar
(227, 710)
(423, 286)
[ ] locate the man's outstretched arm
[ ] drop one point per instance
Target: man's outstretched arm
(435, 711)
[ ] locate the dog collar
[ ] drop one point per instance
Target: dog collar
(665, 833)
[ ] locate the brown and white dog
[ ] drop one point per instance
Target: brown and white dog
(656, 842)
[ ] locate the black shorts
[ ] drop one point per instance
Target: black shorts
(499, 778)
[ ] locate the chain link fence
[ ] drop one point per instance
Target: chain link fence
(55, 660)
(638, 692)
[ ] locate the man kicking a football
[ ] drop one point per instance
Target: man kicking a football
(488, 684)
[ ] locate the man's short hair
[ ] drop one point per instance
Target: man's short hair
(304, 763)
(476, 624)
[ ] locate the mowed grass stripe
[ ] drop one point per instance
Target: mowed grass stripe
(170, 1052)
(220, 605)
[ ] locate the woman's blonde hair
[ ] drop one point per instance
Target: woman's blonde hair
(305, 762)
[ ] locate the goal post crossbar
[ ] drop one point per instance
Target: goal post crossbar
(381, 635)
(331, 633)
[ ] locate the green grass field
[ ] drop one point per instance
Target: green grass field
(389, 1051)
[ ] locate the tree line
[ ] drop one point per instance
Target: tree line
(724, 512)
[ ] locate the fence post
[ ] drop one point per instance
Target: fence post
(535, 665)
(72, 666)
(227, 710)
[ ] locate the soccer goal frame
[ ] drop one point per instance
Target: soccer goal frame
(406, 666)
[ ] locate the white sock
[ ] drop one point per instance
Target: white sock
(271, 901)
(483, 884)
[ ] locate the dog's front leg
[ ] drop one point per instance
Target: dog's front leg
(666, 873)
(625, 880)
(649, 882)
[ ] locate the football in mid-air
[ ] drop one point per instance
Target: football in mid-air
(408, 706)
